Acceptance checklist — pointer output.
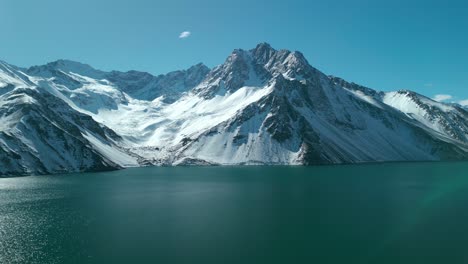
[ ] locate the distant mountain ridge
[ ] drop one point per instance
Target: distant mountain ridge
(261, 106)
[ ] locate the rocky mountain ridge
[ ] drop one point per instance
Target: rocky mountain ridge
(261, 106)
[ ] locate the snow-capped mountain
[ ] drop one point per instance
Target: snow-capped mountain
(41, 134)
(261, 106)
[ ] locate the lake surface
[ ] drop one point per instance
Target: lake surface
(383, 213)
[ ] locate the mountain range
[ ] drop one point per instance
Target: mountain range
(260, 107)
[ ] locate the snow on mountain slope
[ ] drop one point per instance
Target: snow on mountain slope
(303, 117)
(449, 120)
(41, 134)
(10, 78)
(261, 106)
(285, 129)
(53, 69)
(144, 86)
(93, 90)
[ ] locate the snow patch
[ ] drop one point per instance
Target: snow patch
(111, 152)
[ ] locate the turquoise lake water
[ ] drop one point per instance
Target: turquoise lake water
(382, 213)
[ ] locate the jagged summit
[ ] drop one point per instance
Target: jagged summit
(263, 52)
(263, 46)
(198, 66)
(256, 67)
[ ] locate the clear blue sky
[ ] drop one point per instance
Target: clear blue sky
(386, 45)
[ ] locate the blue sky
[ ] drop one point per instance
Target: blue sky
(386, 45)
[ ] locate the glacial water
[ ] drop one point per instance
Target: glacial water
(382, 213)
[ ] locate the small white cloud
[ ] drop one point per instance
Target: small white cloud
(428, 85)
(185, 34)
(463, 102)
(442, 97)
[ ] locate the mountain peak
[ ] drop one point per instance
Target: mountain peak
(65, 66)
(65, 62)
(263, 52)
(263, 46)
(199, 67)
